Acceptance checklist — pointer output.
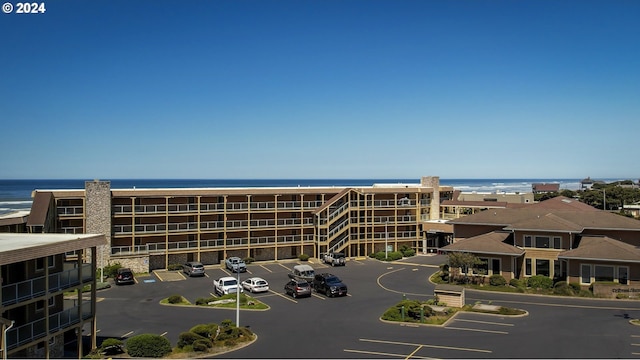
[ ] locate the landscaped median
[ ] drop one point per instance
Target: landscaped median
(228, 301)
(432, 312)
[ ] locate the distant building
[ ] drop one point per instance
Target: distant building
(543, 188)
(586, 184)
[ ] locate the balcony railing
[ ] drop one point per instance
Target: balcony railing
(69, 211)
(206, 244)
(210, 225)
(27, 333)
(29, 289)
(71, 230)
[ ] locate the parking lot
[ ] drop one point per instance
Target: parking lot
(349, 326)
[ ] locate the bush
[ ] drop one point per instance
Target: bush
(148, 345)
(249, 260)
(112, 346)
(407, 251)
(576, 287)
(174, 299)
(517, 283)
(205, 330)
(202, 345)
(173, 267)
(562, 288)
(111, 270)
(497, 280)
(540, 282)
(188, 338)
(303, 257)
(205, 301)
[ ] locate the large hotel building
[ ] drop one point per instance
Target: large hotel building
(149, 229)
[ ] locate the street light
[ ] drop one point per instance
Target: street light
(6, 324)
(386, 241)
(238, 299)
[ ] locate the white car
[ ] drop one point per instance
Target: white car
(255, 284)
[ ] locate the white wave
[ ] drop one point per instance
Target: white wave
(16, 202)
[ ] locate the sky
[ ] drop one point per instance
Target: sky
(341, 89)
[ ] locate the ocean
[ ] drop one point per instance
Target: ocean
(15, 195)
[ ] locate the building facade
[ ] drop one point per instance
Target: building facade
(559, 238)
(150, 229)
(42, 305)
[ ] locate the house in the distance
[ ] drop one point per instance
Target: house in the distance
(543, 188)
(560, 238)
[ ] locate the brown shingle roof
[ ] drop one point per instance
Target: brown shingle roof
(39, 208)
(567, 216)
(602, 248)
(491, 243)
(544, 187)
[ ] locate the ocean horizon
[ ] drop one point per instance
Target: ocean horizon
(15, 195)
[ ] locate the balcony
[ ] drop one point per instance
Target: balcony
(69, 211)
(35, 330)
(29, 289)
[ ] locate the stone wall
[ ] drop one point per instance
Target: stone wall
(97, 212)
(137, 264)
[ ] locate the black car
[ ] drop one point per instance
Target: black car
(125, 276)
(329, 285)
(297, 288)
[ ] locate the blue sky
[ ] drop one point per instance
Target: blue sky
(321, 89)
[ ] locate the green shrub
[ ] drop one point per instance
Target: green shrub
(303, 257)
(395, 255)
(112, 346)
(202, 345)
(497, 280)
(517, 283)
(409, 253)
(205, 301)
(562, 288)
(585, 293)
(249, 260)
(540, 282)
(111, 270)
(174, 299)
(188, 338)
(148, 345)
(205, 330)
(576, 287)
(173, 267)
(226, 323)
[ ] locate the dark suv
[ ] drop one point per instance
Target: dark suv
(329, 285)
(124, 276)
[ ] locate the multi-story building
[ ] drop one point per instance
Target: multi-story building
(153, 228)
(40, 274)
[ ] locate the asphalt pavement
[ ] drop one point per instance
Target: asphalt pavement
(350, 326)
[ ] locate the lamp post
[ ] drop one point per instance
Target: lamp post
(6, 324)
(238, 299)
(386, 241)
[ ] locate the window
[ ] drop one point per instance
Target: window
(52, 301)
(585, 274)
(39, 264)
(542, 267)
(557, 271)
(39, 305)
(51, 261)
(542, 242)
(603, 273)
(527, 267)
(623, 275)
(482, 268)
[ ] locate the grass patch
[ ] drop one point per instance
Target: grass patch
(183, 301)
(246, 302)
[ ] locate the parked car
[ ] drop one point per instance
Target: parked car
(235, 264)
(297, 288)
(255, 284)
(302, 272)
(125, 276)
(334, 258)
(329, 284)
(193, 268)
(226, 285)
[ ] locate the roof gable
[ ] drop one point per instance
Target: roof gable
(495, 242)
(602, 248)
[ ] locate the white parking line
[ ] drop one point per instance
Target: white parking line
(127, 334)
(283, 296)
(266, 268)
(484, 322)
(477, 330)
(163, 334)
(426, 345)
